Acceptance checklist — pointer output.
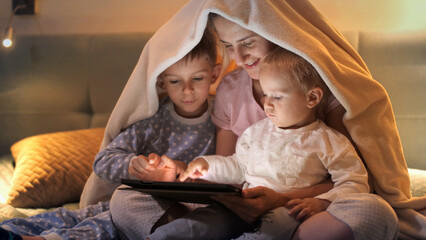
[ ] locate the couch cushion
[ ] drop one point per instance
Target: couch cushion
(43, 87)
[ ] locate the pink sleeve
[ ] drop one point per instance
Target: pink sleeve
(235, 108)
(220, 117)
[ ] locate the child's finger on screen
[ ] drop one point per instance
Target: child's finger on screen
(183, 176)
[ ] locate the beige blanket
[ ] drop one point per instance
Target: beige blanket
(299, 27)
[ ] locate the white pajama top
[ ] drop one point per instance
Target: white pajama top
(289, 159)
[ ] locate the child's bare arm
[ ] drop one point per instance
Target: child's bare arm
(196, 169)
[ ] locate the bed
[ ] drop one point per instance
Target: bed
(57, 93)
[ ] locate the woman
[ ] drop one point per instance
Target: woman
(237, 106)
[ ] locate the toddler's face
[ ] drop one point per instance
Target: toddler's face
(187, 83)
(247, 48)
(285, 102)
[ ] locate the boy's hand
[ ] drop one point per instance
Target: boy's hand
(302, 209)
(138, 166)
(155, 168)
(196, 169)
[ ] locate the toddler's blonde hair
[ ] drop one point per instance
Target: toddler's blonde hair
(301, 71)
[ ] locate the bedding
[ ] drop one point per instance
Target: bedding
(8, 211)
(417, 182)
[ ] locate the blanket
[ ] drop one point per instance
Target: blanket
(299, 27)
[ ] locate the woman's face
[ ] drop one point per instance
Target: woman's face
(245, 47)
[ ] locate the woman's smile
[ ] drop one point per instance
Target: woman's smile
(251, 66)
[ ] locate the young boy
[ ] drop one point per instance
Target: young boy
(187, 83)
(290, 149)
(180, 130)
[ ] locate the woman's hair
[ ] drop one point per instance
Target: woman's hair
(301, 71)
(206, 48)
(210, 20)
(210, 25)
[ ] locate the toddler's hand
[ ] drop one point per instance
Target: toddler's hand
(302, 209)
(196, 169)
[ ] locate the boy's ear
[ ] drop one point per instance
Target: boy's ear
(216, 72)
(314, 97)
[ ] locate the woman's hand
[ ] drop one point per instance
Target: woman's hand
(156, 168)
(254, 203)
(257, 201)
(303, 209)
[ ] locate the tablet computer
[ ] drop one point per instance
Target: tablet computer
(194, 192)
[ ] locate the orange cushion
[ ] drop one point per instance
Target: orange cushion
(51, 169)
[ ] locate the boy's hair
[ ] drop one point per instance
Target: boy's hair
(206, 48)
(301, 71)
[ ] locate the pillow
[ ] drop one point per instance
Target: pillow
(417, 182)
(51, 169)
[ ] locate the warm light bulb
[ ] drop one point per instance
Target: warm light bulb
(7, 42)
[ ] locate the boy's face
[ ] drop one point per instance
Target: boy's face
(187, 83)
(285, 102)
